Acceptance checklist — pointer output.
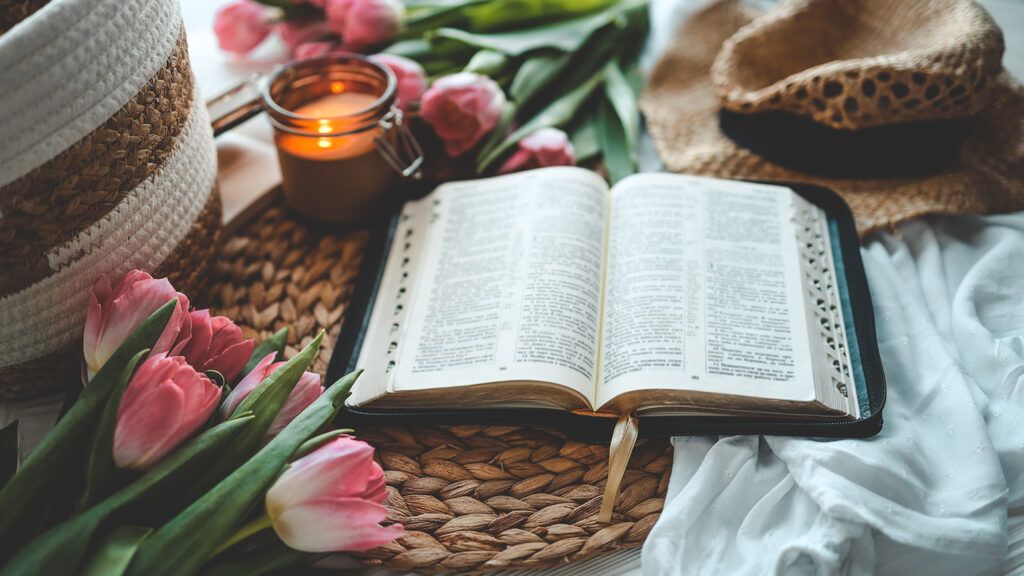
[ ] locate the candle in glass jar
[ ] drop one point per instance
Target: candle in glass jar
(334, 178)
(329, 112)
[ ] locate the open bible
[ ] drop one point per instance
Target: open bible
(665, 296)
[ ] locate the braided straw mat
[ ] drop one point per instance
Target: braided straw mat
(472, 498)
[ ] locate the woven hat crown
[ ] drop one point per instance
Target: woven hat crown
(852, 64)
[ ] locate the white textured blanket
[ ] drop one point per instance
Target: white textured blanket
(929, 495)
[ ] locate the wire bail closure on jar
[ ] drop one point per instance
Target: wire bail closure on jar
(404, 155)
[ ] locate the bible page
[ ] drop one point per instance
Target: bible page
(509, 283)
(703, 291)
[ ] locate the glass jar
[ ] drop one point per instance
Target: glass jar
(340, 138)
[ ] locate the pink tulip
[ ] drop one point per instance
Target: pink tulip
(163, 404)
(365, 23)
(462, 109)
(545, 147)
(296, 34)
(217, 344)
(241, 26)
(116, 310)
(331, 500)
(412, 79)
(306, 390)
(313, 49)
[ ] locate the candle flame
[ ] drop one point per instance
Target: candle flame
(324, 127)
(324, 142)
(337, 87)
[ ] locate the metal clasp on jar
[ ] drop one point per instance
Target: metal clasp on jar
(398, 146)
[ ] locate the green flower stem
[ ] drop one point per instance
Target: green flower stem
(256, 525)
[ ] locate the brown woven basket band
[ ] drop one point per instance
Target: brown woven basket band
(14, 11)
(188, 267)
(50, 205)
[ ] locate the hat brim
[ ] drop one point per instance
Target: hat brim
(681, 109)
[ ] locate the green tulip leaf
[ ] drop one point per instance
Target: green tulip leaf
(536, 73)
(318, 441)
(584, 138)
(623, 99)
(272, 557)
(60, 550)
(487, 62)
(504, 14)
(100, 464)
(265, 401)
(618, 124)
(60, 452)
(182, 545)
(421, 17)
(501, 129)
(9, 445)
(216, 377)
(273, 343)
(269, 395)
(557, 114)
(114, 552)
(567, 36)
(613, 142)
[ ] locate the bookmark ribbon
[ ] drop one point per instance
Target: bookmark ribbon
(619, 451)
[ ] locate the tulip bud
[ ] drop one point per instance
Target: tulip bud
(412, 79)
(331, 500)
(164, 403)
(116, 310)
(241, 26)
(545, 147)
(216, 344)
(296, 34)
(312, 49)
(462, 109)
(306, 390)
(365, 23)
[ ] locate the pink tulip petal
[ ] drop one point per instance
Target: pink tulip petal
(240, 26)
(141, 434)
(156, 368)
(342, 467)
(306, 390)
(202, 335)
(376, 485)
(462, 108)
(231, 361)
(120, 308)
(334, 525)
(165, 402)
(247, 384)
(412, 78)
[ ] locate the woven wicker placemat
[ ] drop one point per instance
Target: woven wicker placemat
(473, 498)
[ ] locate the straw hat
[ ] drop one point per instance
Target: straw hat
(901, 107)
